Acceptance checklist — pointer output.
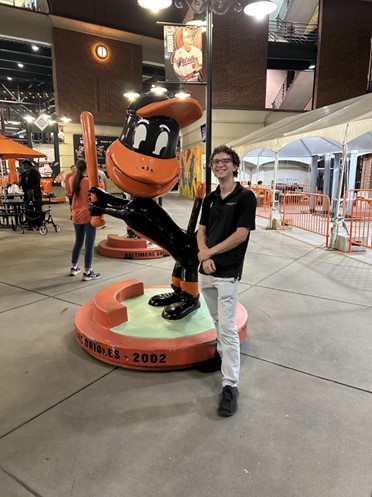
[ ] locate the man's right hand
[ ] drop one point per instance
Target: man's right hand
(209, 266)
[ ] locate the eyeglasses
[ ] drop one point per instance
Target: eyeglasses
(224, 162)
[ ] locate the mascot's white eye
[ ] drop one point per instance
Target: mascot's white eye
(139, 135)
(161, 141)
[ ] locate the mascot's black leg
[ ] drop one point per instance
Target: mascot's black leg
(171, 297)
(188, 303)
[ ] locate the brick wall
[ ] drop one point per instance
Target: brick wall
(240, 45)
(82, 82)
(343, 50)
(366, 180)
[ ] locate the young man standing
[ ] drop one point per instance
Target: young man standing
(228, 216)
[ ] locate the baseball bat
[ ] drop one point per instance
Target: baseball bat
(89, 139)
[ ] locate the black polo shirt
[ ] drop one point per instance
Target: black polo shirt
(221, 218)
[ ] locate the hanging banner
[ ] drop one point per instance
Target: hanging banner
(102, 144)
(183, 54)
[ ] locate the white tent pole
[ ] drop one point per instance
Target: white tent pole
(272, 209)
(257, 167)
(343, 166)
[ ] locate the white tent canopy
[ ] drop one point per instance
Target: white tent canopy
(336, 128)
(332, 126)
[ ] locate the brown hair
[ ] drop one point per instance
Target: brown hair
(229, 151)
(81, 167)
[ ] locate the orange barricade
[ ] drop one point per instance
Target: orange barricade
(264, 197)
(360, 223)
(307, 211)
(350, 196)
(47, 184)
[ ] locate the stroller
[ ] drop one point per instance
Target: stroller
(38, 220)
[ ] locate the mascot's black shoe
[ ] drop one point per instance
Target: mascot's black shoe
(181, 309)
(164, 299)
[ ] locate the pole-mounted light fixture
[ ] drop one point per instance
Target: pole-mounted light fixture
(207, 8)
(155, 5)
(260, 8)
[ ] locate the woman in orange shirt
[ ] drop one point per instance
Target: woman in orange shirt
(84, 231)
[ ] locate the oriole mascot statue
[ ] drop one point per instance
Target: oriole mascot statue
(142, 162)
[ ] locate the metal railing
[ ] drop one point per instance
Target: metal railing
(307, 211)
(350, 196)
(361, 223)
(292, 32)
(287, 84)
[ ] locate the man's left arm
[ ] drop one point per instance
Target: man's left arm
(239, 236)
(245, 222)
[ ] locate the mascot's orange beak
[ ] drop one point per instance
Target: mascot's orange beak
(139, 174)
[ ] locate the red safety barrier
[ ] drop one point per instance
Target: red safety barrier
(264, 196)
(307, 211)
(360, 223)
(350, 196)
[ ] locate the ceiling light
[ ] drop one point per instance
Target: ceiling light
(155, 5)
(28, 118)
(20, 65)
(35, 48)
(312, 67)
(9, 78)
(65, 119)
(131, 95)
(260, 8)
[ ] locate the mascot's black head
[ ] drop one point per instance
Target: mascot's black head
(143, 160)
(153, 136)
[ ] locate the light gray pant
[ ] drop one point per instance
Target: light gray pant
(221, 297)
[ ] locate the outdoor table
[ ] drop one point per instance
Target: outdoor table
(12, 210)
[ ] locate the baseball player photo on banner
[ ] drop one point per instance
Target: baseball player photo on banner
(183, 54)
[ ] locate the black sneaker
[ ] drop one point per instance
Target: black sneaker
(229, 401)
(90, 276)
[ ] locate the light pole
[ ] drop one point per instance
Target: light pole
(207, 8)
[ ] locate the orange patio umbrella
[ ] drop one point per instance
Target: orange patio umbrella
(9, 149)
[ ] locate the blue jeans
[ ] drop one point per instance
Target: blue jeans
(87, 232)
